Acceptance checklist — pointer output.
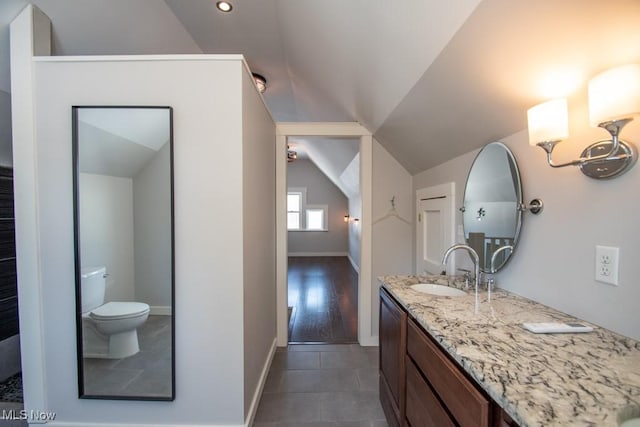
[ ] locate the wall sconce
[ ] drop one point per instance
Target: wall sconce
(348, 218)
(291, 155)
(614, 97)
(260, 81)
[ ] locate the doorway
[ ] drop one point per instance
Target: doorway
(323, 194)
(363, 236)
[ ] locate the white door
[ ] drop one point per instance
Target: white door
(435, 228)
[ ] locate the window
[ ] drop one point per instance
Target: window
(294, 210)
(316, 218)
(303, 217)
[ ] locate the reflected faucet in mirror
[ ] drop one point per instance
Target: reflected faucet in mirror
(495, 254)
(476, 266)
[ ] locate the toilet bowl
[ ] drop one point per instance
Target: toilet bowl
(109, 330)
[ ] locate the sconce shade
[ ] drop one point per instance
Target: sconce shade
(260, 81)
(548, 121)
(614, 94)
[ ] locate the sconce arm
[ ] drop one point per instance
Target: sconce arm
(613, 127)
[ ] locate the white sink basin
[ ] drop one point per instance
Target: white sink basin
(438, 290)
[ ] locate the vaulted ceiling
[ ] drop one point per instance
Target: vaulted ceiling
(432, 79)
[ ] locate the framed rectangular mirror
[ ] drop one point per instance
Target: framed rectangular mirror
(124, 251)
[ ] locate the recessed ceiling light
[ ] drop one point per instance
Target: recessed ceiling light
(224, 6)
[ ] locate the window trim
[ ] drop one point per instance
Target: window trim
(301, 215)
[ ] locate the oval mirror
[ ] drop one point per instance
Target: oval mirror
(491, 212)
(123, 203)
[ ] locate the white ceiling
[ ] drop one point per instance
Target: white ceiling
(432, 79)
(149, 127)
(332, 156)
(120, 141)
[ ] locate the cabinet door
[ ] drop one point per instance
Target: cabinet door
(393, 338)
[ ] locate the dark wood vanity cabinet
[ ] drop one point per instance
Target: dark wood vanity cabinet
(458, 396)
(420, 385)
(393, 338)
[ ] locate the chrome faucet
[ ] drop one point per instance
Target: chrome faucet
(476, 265)
(491, 282)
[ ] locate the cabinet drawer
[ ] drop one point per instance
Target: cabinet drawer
(467, 405)
(423, 407)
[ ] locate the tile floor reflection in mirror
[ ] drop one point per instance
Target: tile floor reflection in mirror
(147, 373)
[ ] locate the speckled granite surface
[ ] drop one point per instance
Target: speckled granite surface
(538, 379)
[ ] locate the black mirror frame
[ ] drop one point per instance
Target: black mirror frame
(76, 236)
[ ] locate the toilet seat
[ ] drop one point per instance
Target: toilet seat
(119, 310)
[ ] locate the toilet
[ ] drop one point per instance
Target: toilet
(109, 331)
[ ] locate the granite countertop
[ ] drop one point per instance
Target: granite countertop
(538, 379)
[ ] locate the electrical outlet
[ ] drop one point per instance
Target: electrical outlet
(607, 264)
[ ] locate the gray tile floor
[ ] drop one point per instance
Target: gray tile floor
(322, 385)
(147, 373)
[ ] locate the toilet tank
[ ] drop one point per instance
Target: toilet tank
(92, 288)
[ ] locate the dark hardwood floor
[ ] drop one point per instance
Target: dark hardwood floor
(323, 297)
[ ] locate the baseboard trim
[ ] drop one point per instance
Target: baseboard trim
(317, 254)
(263, 379)
(353, 264)
(371, 341)
(159, 310)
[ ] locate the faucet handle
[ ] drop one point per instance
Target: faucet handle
(491, 283)
(467, 277)
(467, 273)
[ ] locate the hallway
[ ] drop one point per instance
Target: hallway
(323, 300)
(322, 385)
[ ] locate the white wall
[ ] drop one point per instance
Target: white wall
(320, 191)
(391, 238)
(209, 245)
(259, 241)
(106, 231)
(5, 129)
(152, 230)
(554, 260)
